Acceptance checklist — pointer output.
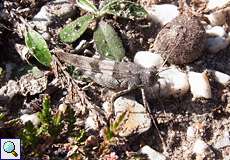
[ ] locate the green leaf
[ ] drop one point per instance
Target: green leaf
(123, 8)
(108, 43)
(75, 29)
(37, 45)
(87, 6)
(118, 122)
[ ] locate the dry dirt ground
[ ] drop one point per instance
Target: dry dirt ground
(211, 118)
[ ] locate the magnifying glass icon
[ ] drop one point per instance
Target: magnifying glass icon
(9, 147)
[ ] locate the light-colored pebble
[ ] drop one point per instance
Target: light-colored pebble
(158, 13)
(216, 44)
(220, 77)
(12, 88)
(213, 4)
(216, 31)
(148, 59)
(191, 132)
(42, 19)
(62, 108)
(223, 141)
(62, 9)
(30, 117)
(46, 36)
(200, 147)
(171, 82)
(58, 8)
(136, 120)
(151, 153)
(81, 45)
(199, 85)
(91, 122)
(107, 107)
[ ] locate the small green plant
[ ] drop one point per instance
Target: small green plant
(50, 126)
(38, 47)
(107, 41)
(111, 131)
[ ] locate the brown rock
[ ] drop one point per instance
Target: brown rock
(181, 40)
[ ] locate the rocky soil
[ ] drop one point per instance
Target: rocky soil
(184, 115)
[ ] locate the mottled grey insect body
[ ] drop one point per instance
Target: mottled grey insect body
(111, 74)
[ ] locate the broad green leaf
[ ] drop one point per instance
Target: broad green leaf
(75, 29)
(87, 5)
(108, 43)
(37, 45)
(123, 8)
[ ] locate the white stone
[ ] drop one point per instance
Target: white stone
(46, 36)
(151, 153)
(148, 59)
(30, 117)
(191, 132)
(221, 78)
(223, 141)
(216, 31)
(62, 108)
(91, 122)
(12, 88)
(212, 4)
(107, 107)
(199, 85)
(200, 147)
(171, 82)
(216, 44)
(62, 8)
(42, 19)
(163, 13)
(136, 120)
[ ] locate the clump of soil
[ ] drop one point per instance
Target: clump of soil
(181, 40)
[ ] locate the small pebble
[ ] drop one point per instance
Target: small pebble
(91, 122)
(213, 4)
(199, 85)
(80, 46)
(30, 117)
(136, 120)
(216, 44)
(224, 141)
(46, 36)
(191, 132)
(62, 108)
(220, 77)
(216, 31)
(42, 19)
(151, 153)
(171, 82)
(158, 13)
(91, 141)
(200, 147)
(12, 88)
(107, 107)
(62, 9)
(148, 59)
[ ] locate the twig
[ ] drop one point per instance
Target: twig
(152, 118)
